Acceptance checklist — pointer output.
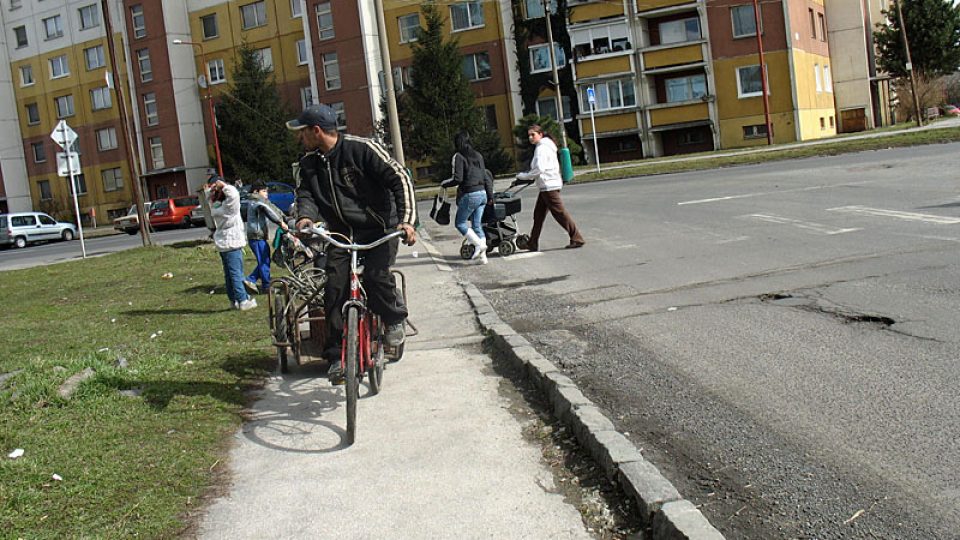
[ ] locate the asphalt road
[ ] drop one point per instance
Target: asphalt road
(54, 252)
(781, 339)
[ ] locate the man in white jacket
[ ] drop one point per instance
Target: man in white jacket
(229, 239)
(545, 169)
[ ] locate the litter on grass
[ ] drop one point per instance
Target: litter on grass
(15, 454)
(167, 275)
(57, 477)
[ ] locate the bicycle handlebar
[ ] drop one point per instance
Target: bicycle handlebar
(327, 236)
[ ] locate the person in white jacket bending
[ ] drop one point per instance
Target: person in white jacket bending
(229, 239)
(545, 169)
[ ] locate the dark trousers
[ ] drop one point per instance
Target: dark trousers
(550, 200)
(380, 285)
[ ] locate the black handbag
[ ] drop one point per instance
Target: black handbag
(440, 212)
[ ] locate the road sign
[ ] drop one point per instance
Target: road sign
(63, 135)
(591, 97)
(64, 168)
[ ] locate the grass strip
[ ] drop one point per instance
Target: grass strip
(130, 466)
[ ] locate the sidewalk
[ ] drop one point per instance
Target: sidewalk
(437, 455)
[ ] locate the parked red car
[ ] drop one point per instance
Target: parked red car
(173, 212)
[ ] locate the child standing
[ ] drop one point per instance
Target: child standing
(260, 210)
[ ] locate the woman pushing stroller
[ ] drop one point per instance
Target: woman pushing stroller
(474, 191)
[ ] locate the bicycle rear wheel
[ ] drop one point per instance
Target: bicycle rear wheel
(352, 355)
(280, 330)
(375, 371)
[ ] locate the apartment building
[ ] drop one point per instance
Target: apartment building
(678, 76)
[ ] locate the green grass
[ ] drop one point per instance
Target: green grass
(131, 466)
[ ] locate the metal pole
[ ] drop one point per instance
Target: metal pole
(763, 73)
(393, 118)
(556, 77)
(124, 129)
(909, 66)
(73, 187)
(593, 122)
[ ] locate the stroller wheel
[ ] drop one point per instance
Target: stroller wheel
(523, 240)
(507, 249)
(466, 250)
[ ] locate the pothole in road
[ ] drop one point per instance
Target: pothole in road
(518, 284)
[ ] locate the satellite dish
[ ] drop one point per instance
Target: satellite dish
(202, 81)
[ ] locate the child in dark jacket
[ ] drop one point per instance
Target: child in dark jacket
(259, 211)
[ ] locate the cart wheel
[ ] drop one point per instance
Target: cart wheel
(507, 249)
(282, 359)
(280, 331)
(523, 240)
(466, 250)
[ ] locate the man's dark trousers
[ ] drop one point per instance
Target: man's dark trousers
(380, 285)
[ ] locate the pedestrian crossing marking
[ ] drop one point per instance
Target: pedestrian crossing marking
(808, 225)
(910, 216)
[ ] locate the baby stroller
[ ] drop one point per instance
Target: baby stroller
(501, 233)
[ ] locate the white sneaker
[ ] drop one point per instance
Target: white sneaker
(480, 259)
(247, 304)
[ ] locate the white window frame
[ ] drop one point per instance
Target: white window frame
(216, 71)
(827, 79)
(96, 50)
(331, 71)
(265, 58)
(259, 13)
(138, 20)
(68, 104)
(306, 97)
(156, 153)
(26, 76)
(733, 20)
(616, 32)
(57, 21)
(150, 101)
(740, 92)
(818, 78)
(302, 56)
(476, 66)
(89, 16)
(602, 90)
(35, 107)
(143, 56)
(565, 102)
(106, 139)
(43, 150)
(15, 4)
(324, 13)
(115, 182)
(691, 93)
(558, 50)
(470, 12)
(341, 115)
(295, 11)
(408, 32)
(683, 27)
(17, 30)
(61, 62)
(203, 26)
(537, 13)
(100, 98)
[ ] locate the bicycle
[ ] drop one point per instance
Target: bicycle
(296, 298)
(363, 349)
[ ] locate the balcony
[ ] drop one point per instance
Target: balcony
(653, 5)
(665, 114)
(601, 65)
(621, 121)
(589, 11)
(672, 55)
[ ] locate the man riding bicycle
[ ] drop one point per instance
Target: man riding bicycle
(353, 185)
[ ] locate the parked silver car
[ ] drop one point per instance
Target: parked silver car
(21, 228)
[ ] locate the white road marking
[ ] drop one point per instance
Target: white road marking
(761, 193)
(910, 216)
(524, 255)
(823, 229)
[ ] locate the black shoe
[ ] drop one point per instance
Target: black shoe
(335, 372)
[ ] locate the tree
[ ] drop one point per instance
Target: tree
(933, 31)
(254, 142)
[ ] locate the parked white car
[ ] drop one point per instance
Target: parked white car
(130, 223)
(21, 228)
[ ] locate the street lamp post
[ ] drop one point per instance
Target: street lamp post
(213, 116)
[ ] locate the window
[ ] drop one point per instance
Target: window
(39, 152)
(33, 114)
(209, 24)
(20, 33)
(397, 80)
(615, 94)
(548, 107)
(150, 108)
(64, 105)
(827, 79)
(216, 73)
(690, 137)
(139, 22)
(490, 117)
(600, 40)
(325, 21)
(59, 67)
(106, 139)
(476, 67)
(156, 152)
(81, 182)
(534, 8)
(265, 58)
(748, 82)
(306, 97)
(100, 98)
(744, 22)
(813, 23)
(253, 15)
(143, 60)
(685, 88)
(823, 123)
(112, 179)
(466, 15)
(23, 221)
(53, 27)
(331, 71)
(831, 121)
(295, 10)
(89, 17)
(680, 31)
(823, 26)
(45, 193)
(540, 57)
(93, 56)
(301, 52)
(816, 75)
(409, 26)
(755, 132)
(341, 115)
(26, 75)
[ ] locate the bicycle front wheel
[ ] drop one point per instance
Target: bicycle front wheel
(352, 354)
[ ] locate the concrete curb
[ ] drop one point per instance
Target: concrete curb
(668, 515)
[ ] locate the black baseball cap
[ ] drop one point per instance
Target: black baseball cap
(315, 115)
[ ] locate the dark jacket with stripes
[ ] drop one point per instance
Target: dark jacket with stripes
(355, 187)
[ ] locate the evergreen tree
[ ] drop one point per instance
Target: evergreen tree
(254, 142)
(933, 30)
